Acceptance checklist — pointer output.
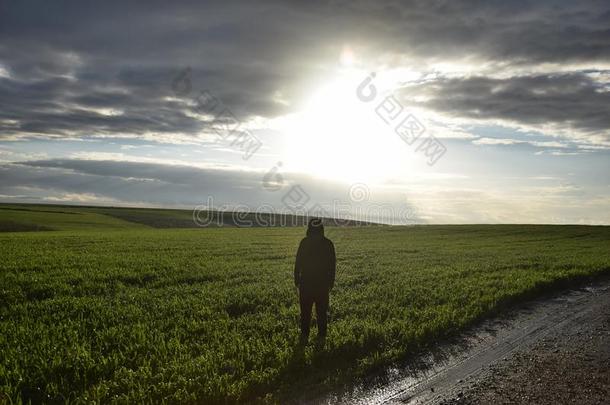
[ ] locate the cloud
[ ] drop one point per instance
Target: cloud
(496, 141)
(71, 71)
(562, 153)
(573, 103)
(510, 141)
(440, 198)
(488, 73)
(156, 184)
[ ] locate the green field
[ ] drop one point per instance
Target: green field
(109, 309)
(30, 217)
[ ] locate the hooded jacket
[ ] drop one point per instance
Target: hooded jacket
(315, 264)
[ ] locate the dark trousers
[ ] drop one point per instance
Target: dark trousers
(307, 298)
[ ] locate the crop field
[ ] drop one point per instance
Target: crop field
(120, 311)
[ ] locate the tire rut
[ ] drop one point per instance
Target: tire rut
(442, 374)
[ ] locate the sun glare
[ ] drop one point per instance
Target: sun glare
(339, 136)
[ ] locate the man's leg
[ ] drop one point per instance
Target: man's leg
(306, 302)
(322, 312)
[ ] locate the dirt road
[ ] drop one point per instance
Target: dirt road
(553, 350)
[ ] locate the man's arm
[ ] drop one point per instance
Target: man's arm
(298, 264)
(333, 267)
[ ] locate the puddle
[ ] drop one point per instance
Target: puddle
(427, 378)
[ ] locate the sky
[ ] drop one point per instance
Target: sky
(390, 111)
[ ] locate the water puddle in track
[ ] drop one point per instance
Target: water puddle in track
(432, 377)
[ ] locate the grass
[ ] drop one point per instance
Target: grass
(54, 217)
(36, 217)
(210, 315)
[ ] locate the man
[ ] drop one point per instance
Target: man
(314, 276)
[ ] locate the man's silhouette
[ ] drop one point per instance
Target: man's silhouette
(314, 276)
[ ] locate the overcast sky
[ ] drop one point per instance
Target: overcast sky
(422, 111)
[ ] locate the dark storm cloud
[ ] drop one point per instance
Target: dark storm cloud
(509, 31)
(67, 59)
(572, 100)
(60, 106)
(107, 59)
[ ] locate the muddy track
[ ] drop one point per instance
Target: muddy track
(442, 374)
